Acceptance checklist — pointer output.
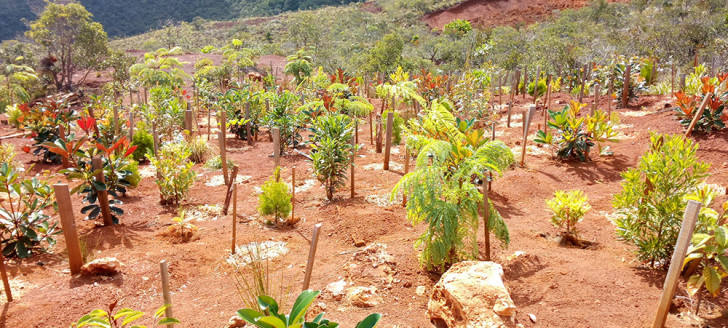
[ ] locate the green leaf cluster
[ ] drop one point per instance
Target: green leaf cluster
(654, 195)
(275, 199)
(568, 209)
(332, 150)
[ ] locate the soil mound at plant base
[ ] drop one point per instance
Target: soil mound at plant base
(489, 13)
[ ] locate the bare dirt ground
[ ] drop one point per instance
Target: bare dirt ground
(490, 13)
(600, 286)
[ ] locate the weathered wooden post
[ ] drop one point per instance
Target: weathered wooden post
(103, 194)
(209, 123)
(698, 115)
(311, 256)
(131, 126)
(625, 90)
(678, 256)
(548, 107)
(188, 121)
(235, 216)
(524, 89)
(293, 193)
(116, 122)
(155, 139)
(229, 190)
(223, 157)
(248, 129)
(595, 103)
(583, 84)
(610, 91)
(388, 143)
(486, 216)
(276, 146)
(351, 165)
(68, 224)
(406, 171)
(6, 282)
(682, 81)
(378, 147)
(492, 129)
(672, 80)
(510, 108)
(371, 129)
(164, 272)
(528, 115)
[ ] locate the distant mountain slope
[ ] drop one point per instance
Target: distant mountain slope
(130, 17)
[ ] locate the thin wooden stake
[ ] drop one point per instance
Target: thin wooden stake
(68, 224)
(625, 90)
(371, 129)
(698, 115)
(229, 190)
(526, 123)
(248, 127)
(116, 122)
(378, 147)
(103, 194)
(276, 146)
(676, 263)
(388, 142)
(293, 193)
(235, 216)
(131, 126)
(311, 256)
(510, 108)
(597, 94)
(486, 217)
(223, 157)
(6, 282)
(406, 171)
(164, 272)
(188, 121)
(155, 139)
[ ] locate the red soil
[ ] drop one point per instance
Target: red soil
(600, 286)
(490, 13)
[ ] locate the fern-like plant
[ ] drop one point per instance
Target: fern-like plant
(442, 190)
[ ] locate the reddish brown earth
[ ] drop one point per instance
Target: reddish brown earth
(600, 286)
(490, 13)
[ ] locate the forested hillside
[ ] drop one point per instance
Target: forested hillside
(124, 18)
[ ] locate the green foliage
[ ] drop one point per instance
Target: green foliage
(575, 136)
(134, 178)
(713, 117)
(568, 209)
(24, 225)
(215, 163)
(458, 28)
(282, 115)
(275, 199)
(706, 255)
(68, 33)
(110, 319)
(144, 142)
(540, 91)
(332, 150)
(299, 65)
(267, 316)
(182, 225)
(7, 154)
(654, 195)
(175, 174)
(386, 55)
(441, 190)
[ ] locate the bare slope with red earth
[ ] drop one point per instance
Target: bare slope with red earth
(491, 13)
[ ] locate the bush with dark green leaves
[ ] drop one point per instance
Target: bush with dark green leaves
(331, 152)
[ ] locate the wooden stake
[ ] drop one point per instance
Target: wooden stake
(492, 129)
(672, 80)
(510, 107)
(528, 115)
(164, 272)
(311, 256)
(351, 165)
(378, 147)
(610, 91)
(277, 146)
(525, 82)
(293, 193)
(625, 90)
(698, 115)
(131, 126)
(155, 139)
(103, 194)
(406, 171)
(116, 122)
(6, 282)
(676, 263)
(486, 217)
(235, 215)
(248, 127)
(683, 77)
(188, 121)
(229, 190)
(595, 103)
(371, 129)
(68, 224)
(209, 124)
(388, 142)
(583, 84)
(223, 157)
